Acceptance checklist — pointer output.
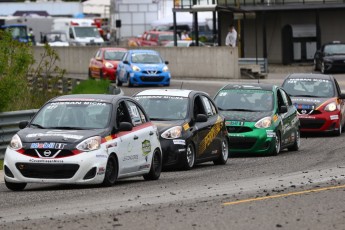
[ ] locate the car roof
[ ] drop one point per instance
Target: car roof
(113, 48)
(165, 92)
(310, 76)
(142, 51)
(88, 97)
(254, 86)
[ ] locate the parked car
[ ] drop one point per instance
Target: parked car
(260, 118)
(54, 38)
(319, 102)
(190, 127)
(143, 67)
(152, 38)
(330, 58)
(184, 43)
(84, 139)
(104, 64)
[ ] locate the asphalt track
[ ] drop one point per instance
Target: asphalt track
(294, 190)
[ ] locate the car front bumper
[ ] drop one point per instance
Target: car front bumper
(324, 122)
(83, 168)
(139, 78)
(173, 151)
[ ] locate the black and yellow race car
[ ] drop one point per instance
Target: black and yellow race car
(190, 126)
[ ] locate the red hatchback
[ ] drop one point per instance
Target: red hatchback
(104, 64)
(319, 102)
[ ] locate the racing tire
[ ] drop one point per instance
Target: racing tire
(223, 158)
(111, 172)
(118, 82)
(189, 157)
(338, 132)
(323, 70)
(277, 145)
(100, 75)
(156, 166)
(15, 186)
(297, 143)
(90, 74)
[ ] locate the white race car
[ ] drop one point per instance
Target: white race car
(84, 139)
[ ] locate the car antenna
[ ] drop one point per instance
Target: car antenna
(181, 85)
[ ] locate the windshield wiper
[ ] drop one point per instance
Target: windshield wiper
(247, 110)
(303, 95)
(37, 125)
(159, 119)
(65, 127)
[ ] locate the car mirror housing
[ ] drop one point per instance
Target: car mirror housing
(125, 126)
(166, 62)
(23, 124)
(126, 62)
(201, 118)
(342, 96)
(283, 109)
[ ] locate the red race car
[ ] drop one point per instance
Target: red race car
(104, 64)
(319, 102)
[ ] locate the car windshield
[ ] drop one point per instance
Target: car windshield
(334, 49)
(74, 115)
(148, 58)
(88, 31)
(309, 87)
(166, 37)
(18, 32)
(164, 107)
(244, 100)
(113, 55)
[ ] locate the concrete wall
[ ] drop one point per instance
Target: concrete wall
(192, 62)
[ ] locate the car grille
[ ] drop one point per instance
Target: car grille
(311, 123)
(308, 111)
(238, 129)
(242, 142)
(44, 154)
(151, 72)
(47, 171)
(152, 79)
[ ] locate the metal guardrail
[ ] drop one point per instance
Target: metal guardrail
(9, 122)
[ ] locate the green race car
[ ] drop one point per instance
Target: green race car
(260, 118)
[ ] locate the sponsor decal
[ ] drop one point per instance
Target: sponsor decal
(131, 158)
(234, 123)
(179, 142)
(182, 150)
(334, 117)
(146, 147)
(235, 135)
(56, 133)
(275, 118)
(101, 171)
(270, 133)
(47, 145)
(46, 161)
(147, 166)
(186, 126)
(101, 156)
(214, 152)
(211, 135)
(306, 100)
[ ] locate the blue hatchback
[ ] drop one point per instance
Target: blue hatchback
(143, 67)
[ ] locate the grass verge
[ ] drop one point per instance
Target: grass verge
(1, 164)
(92, 87)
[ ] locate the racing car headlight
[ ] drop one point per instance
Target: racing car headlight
(135, 68)
(15, 143)
(90, 144)
(331, 107)
(172, 133)
(165, 69)
(108, 65)
(264, 123)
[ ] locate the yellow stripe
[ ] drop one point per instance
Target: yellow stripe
(284, 195)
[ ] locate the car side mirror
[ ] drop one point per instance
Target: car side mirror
(23, 124)
(126, 62)
(342, 96)
(125, 126)
(283, 109)
(166, 62)
(201, 118)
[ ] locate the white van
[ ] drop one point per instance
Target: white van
(79, 31)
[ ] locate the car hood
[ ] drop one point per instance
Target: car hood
(245, 116)
(164, 125)
(150, 66)
(335, 57)
(115, 63)
(31, 135)
(309, 102)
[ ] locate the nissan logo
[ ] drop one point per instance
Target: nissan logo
(303, 111)
(47, 153)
